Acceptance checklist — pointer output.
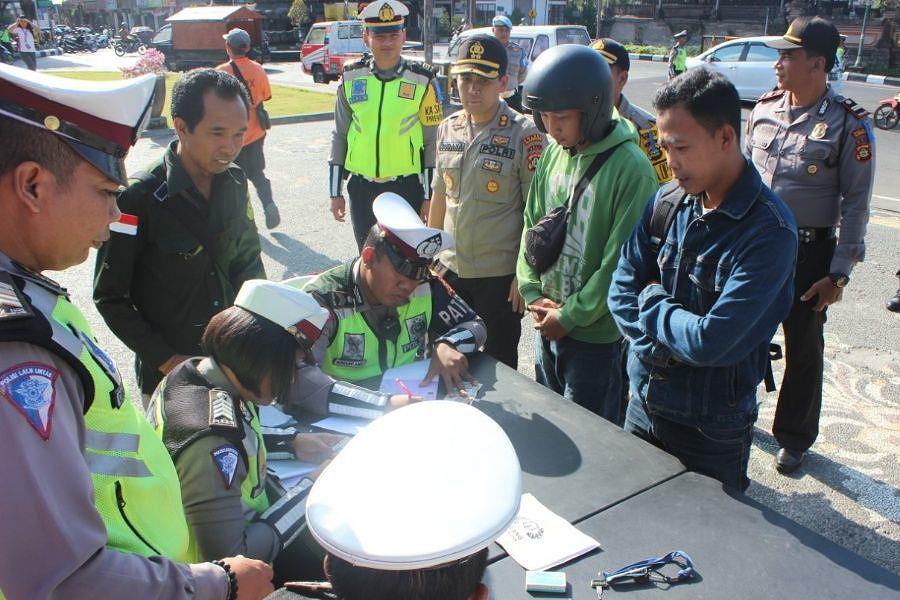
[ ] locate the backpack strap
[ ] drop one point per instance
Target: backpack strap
(664, 209)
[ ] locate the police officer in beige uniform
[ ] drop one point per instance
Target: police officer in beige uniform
(517, 61)
(815, 149)
(67, 428)
(619, 63)
(487, 154)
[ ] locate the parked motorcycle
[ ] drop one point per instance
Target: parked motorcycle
(6, 57)
(888, 113)
(127, 46)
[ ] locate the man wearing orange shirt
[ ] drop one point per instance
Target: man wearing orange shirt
(251, 159)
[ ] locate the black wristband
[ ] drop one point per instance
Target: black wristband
(232, 579)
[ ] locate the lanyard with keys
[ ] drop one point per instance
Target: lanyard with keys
(644, 571)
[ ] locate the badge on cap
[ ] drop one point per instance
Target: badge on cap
(819, 131)
(52, 123)
(29, 387)
(476, 51)
(386, 13)
(226, 459)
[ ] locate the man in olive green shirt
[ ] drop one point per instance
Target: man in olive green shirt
(186, 240)
(486, 159)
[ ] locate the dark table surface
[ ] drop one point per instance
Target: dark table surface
(740, 549)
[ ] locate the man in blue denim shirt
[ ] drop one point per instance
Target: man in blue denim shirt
(700, 307)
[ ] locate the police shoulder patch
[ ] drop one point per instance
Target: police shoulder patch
(12, 303)
(226, 459)
(854, 109)
(30, 388)
(422, 68)
(221, 409)
(776, 93)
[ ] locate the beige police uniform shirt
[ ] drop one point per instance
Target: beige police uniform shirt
(517, 67)
(648, 137)
(820, 160)
(53, 541)
(485, 177)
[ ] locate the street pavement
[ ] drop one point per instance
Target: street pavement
(849, 489)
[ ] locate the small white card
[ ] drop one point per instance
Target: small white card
(539, 539)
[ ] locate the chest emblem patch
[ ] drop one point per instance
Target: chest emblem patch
(354, 351)
(819, 131)
(226, 459)
(407, 90)
(489, 164)
(29, 387)
(358, 91)
(492, 186)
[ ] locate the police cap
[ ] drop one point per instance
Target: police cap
(481, 54)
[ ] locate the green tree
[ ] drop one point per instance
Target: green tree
(298, 13)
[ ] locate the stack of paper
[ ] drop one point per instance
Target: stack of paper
(272, 416)
(539, 539)
(345, 425)
(411, 376)
(290, 472)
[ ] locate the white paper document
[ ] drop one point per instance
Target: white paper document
(539, 539)
(346, 425)
(411, 375)
(272, 416)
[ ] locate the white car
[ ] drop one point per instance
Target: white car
(534, 39)
(749, 64)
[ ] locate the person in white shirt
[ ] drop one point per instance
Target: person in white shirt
(27, 36)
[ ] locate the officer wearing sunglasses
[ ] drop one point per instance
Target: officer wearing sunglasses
(388, 309)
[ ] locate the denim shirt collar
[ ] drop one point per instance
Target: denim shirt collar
(743, 194)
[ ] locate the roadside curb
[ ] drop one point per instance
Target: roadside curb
(283, 120)
(42, 53)
(860, 77)
(652, 57)
(876, 79)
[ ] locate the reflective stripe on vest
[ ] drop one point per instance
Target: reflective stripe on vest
(136, 490)
(357, 353)
(385, 137)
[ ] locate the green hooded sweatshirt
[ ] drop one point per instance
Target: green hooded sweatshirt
(605, 215)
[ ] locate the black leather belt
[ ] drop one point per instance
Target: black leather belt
(813, 234)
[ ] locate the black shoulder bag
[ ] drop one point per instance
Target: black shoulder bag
(545, 239)
(261, 113)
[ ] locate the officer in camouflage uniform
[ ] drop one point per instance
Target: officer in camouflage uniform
(187, 239)
(815, 149)
(619, 63)
(487, 154)
(385, 118)
(387, 310)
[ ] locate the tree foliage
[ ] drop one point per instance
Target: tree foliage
(298, 13)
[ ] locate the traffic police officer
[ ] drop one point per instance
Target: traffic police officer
(187, 239)
(678, 54)
(385, 118)
(205, 411)
(815, 149)
(619, 63)
(516, 63)
(487, 154)
(91, 492)
(418, 524)
(387, 309)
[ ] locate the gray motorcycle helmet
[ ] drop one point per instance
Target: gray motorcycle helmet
(571, 77)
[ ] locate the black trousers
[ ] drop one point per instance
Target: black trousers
(487, 296)
(252, 160)
(30, 60)
(362, 193)
(796, 424)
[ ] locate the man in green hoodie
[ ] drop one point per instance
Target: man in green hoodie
(578, 350)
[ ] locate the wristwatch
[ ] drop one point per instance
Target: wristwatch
(839, 279)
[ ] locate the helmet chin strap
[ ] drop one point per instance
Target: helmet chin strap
(573, 149)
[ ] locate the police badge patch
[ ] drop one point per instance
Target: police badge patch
(30, 388)
(354, 351)
(416, 328)
(407, 90)
(358, 91)
(226, 459)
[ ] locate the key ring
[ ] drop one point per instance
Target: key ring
(642, 571)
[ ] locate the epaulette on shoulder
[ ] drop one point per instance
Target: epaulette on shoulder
(853, 108)
(13, 303)
(422, 68)
(776, 93)
(357, 64)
